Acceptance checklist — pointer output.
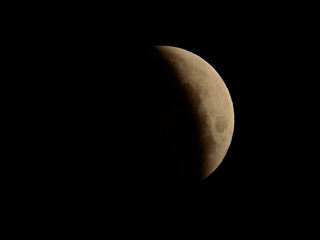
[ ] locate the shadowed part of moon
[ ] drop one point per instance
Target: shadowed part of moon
(163, 129)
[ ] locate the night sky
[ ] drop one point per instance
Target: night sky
(76, 129)
(87, 99)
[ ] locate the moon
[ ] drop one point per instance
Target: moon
(179, 117)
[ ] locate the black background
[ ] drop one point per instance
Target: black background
(77, 72)
(67, 65)
(232, 57)
(86, 89)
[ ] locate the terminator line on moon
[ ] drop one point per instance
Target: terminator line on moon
(182, 115)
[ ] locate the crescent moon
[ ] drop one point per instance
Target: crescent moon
(182, 117)
(210, 100)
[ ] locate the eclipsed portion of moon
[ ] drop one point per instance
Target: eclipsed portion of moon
(184, 114)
